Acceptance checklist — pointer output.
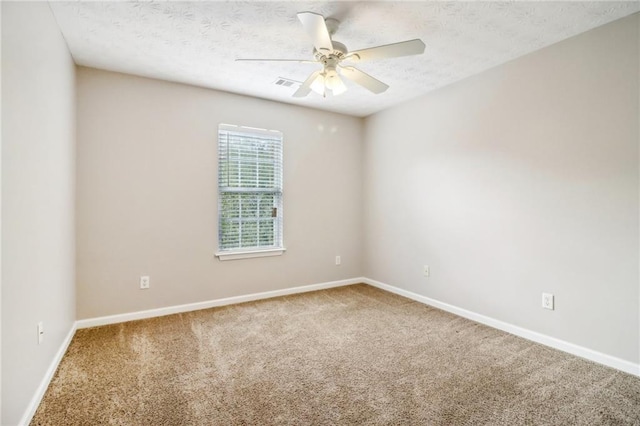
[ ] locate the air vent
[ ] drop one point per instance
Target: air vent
(285, 82)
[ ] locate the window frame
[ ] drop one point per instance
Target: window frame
(255, 251)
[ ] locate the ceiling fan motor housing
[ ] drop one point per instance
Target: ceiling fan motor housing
(339, 51)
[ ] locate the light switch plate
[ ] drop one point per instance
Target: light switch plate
(547, 301)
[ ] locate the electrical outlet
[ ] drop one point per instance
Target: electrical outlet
(547, 301)
(40, 332)
(426, 271)
(338, 260)
(144, 282)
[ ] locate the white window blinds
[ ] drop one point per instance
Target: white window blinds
(249, 189)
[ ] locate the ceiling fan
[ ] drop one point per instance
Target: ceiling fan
(333, 55)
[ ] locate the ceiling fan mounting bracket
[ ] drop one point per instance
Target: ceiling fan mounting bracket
(332, 25)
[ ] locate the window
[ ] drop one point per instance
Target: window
(249, 192)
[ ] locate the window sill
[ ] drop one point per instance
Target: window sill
(235, 255)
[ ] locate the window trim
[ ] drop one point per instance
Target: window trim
(252, 252)
(248, 254)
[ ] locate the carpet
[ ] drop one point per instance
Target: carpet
(343, 356)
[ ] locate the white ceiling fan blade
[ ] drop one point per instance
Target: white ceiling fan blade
(305, 88)
(315, 26)
(404, 48)
(364, 80)
(303, 61)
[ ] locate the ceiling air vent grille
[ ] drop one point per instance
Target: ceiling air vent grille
(285, 82)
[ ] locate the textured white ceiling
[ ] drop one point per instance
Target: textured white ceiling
(197, 42)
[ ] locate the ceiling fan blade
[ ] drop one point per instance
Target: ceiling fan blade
(404, 48)
(364, 80)
(315, 26)
(305, 88)
(303, 61)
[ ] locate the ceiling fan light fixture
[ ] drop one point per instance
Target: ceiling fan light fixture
(335, 84)
(328, 80)
(318, 84)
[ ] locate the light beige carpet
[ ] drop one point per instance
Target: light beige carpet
(351, 355)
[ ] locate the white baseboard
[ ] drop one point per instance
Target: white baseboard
(169, 310)
(44, 384)
(599, 357)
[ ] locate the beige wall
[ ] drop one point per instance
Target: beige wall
(518, 181)
(38, 134)
(146, 195)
